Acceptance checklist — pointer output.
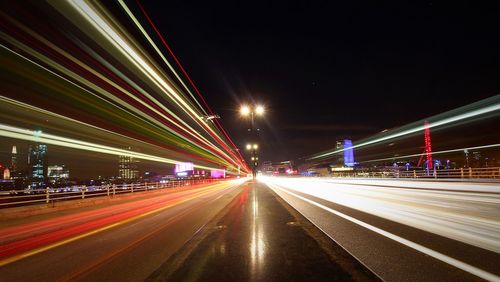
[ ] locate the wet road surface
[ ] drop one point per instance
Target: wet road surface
(258, 239)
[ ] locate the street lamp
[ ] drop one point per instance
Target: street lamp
(257, 110)
(245, 110)
(252, 111)
(253, 147)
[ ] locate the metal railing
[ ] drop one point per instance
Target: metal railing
(16, 198)
(459, 173)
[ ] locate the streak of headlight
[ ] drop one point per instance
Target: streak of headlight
(139, 26)
(134, 111)
(76, 123)
(192, 132)
(140, 62)
(40, 56)
(41, 137)
(131, 111)
(435, 153)
(474, 113)
(107, 31)
(181, 67)
(421, 248)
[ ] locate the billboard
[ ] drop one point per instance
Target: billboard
(181, 167)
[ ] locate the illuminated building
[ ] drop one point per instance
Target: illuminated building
(13, 160)
(38, 164)
(127, 167)
(6, 173)
(186, 169)
(218, 173)
(346, 158)
(182, 167)
(57, 173)
(348, 153)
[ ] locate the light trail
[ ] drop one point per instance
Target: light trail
(106, 30)
(469, 217)
(473, 218)
(35, 136)
(140, 101)
(190, 80)
(442, 257)
(435, 153)
(76, 77)
(489, 105)
(151, 42)
(62, 230)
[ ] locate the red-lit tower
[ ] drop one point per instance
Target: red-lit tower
(428, 147)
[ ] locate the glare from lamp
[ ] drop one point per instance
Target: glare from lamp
(245, 110)
(259, 110)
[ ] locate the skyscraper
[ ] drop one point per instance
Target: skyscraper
(348, 153)
(127, 167)
(346, 156)
(13, 160)
(38, 165)
(57, 173)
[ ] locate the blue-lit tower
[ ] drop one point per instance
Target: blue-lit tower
(348, 153)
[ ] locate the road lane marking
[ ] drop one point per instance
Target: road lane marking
(86, 234)
(442, 257)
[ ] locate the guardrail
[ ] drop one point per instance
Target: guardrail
(459, 173)
(15, 198)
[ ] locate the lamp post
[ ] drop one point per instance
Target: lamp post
(255, 160)
(252, 112)
(257, 110)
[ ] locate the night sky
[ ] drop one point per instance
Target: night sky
(332, 69)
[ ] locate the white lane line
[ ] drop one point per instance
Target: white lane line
(444, 258)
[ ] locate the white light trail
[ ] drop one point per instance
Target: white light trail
(435, 153)
(110, 34)
(36, 136)
(437, 255)
(474, 113)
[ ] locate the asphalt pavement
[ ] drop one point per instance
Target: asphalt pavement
(259, 239)
(122, 242)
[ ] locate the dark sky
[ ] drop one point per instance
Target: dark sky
(331, 69)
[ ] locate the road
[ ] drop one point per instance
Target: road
(405, 230)
(122, 242)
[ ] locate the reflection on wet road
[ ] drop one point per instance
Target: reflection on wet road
(255, 243)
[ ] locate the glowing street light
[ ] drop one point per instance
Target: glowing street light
(252, 146)
(256, 110)
(245, 110)
(252, 111)
(259, 110)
